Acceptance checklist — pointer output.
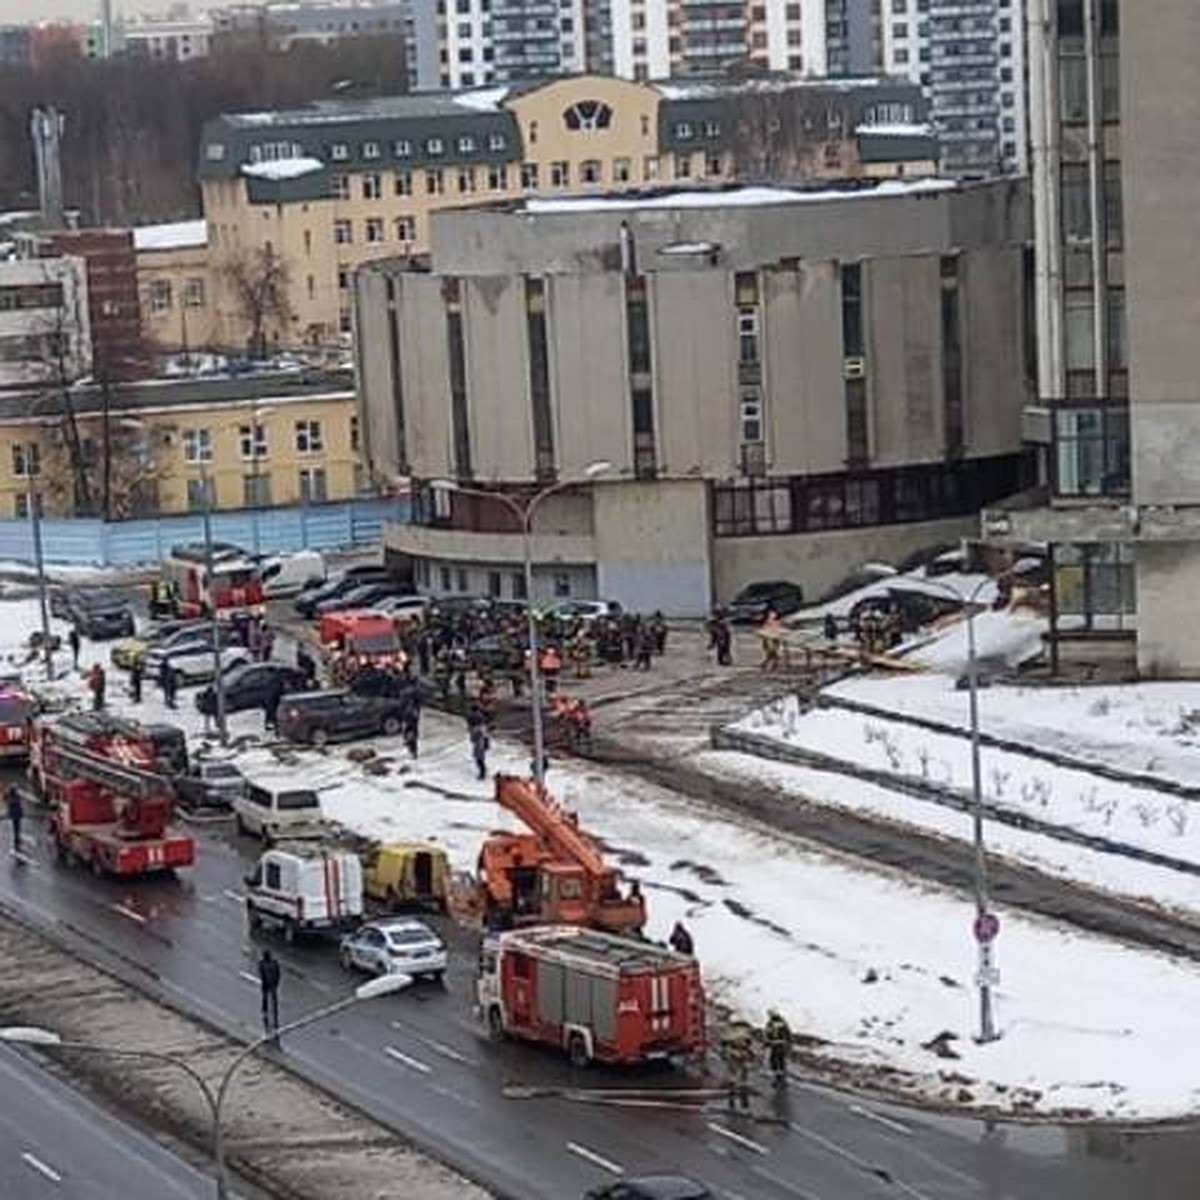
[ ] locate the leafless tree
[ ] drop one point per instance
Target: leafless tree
(782, 136)
(258, 279)
(134, 457)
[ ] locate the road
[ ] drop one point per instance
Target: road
(57, 1144)
(418, 1063)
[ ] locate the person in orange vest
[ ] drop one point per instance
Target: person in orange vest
(771, 633)
(550, 665)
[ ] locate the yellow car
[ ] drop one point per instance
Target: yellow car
(131, 651)
(408, 873)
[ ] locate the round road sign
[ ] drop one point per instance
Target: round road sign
(987, 925)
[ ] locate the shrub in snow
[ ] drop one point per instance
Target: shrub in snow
(1000, 782)
(1100, 708)
(1146, 813)
(923, 759)
(1177, 815)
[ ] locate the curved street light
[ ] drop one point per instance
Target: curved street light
(214, 1096)
(525, 514)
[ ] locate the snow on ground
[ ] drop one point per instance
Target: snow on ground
(867, 963)
(1144, 728)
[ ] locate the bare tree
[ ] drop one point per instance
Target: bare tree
(783, 136)
(258, 279)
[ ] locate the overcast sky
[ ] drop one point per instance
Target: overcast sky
(48, 10)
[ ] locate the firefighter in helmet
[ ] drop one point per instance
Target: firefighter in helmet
(737, 1053)
(778, 1036)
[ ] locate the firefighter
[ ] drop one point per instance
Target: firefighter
(722, 639)
(551, 668)
(307, 666)
(16, 814)
(581, 725)
(166, 681)
(772, 642)
(643, 647)
(579, 649)
(831, 628)
(477, 731)
(737, 1054)
(778, 1037)
(97, 682)
(73, 642)
(681, 940)
(135, 681)
(658, 631)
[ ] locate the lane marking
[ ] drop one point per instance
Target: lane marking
(439, 1047)
(249, 978)
(787, 1185)
(230, 894)
(31, 1160)
(415, 1063)
(734, 1136)
(128, 912)
(868, 1168)
(605, 1164)
(867, 1114)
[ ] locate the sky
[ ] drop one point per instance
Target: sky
(29, 11)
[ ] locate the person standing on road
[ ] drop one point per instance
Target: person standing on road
(97, 684)
(73, 642)
(778, 1036)
(722, 639)
(16, 814)
(268, 979)
(307, 666)
(135, 681)
(477, 731)
(271, 699)
(681, 940)
(166, 681)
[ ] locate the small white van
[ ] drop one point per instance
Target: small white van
(271, 813)
(288, 574)
(302, 889)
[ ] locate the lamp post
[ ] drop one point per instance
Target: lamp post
(214, 1094)
(525, 514)
(214, 620)
(34, 500)
(986, 926)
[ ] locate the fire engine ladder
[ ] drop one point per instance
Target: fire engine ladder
(549, 820)
(120, 777)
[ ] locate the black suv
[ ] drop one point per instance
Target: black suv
(250, 685)
(320, 717)
(751, 605)
(101, 614)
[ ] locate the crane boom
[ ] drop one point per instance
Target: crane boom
(550, 821)
(127, 779)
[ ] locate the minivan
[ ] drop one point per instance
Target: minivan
(290, 574)
(273, 811)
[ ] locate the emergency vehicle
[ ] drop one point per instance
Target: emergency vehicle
(17, 709)
(353, 639)
(599, 997)
(236, 584)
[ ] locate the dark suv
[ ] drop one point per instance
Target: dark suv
(101, 614)
(751, 605)
(320, 717)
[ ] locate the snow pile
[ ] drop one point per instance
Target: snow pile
(279, 169)
(176, 235)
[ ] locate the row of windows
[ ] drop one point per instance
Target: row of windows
(811, 503)
(256, 489)
(308, 438)
(160, 294)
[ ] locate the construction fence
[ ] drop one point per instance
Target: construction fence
(93, 542)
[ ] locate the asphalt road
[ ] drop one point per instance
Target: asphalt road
(57, 1144)
(419, 1063)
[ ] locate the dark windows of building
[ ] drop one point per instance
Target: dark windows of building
(852, 312)
(952, 359)
(539, 377)
(858, 449)
(1091, 450)
(637, 323)
(459, 414)
(1095, 588)
(586, 115)
(858, 441)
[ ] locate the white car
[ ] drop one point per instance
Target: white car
(192, 662)
(402, 608)
(586, 611)
(290, 574)
(400, 944)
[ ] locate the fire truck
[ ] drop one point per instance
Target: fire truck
(235, 586)
(354, 639)
(599, 997)
(17, 709)
(554, 874)
(110, 805)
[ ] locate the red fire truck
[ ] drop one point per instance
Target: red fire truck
(354, 639)
(598, 996)
(236, 584)
(110, 807)
(17, 709)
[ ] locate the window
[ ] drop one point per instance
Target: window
(402, 148)
(560, 174)
(354, 433)
(374, 229)
(683, 131)
(494, 583)
(462, 579)
(435, 146)
(496, 141)
(497, 178)
(406, 229)
(712, 129)
(466, 144)
(26, 459)
(370, 150)
(252, 440)
(160, 295)
(584, 116)
(312, 486)
(590, 171)
(340, 187)
(683, 166)
(343, 234)
(435, 183)
(1091, 451)
(713, 165)
(750, 414)
(1096, 584)
(343, 278)
(649, 167)
(339, 152)
(622, 170)
(256, 490)
(308, 437)
(562, 584)
(852, 315)
(529, 177)
(214, 152)
(404, 183)
(466, 179)
(372, 187)
(193, 293)
(197, 445)
(199, 492)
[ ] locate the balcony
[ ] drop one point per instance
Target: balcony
(469, 546)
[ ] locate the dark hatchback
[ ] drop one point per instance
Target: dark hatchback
(339, 715)
(100, 615)
(652, 1187)
(249, 685)
(751, 605)
(306, 603)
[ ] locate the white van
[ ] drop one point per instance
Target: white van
(288, 574)
(305, 889)
(272, 812)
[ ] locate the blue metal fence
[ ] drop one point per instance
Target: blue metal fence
(89, 542)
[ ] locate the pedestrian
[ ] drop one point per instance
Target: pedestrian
(424, 651)
(831, 627)
(644, 649)
(411, 731)
(135, 681)
(681, 941)
(477, 730)
(97, 683)
(658, 631)
(268, 979)
(266, 642)
(271, 699)
(166, 681)
(16, 814)
(778, 1037)
(722, 640)
(73, 642)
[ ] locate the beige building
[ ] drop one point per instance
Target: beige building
(174, 288)
(784, 383)
(1116, 173)
(45, 334)
(324, 190)
(259, 440)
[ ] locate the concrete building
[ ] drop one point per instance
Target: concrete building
(1115, 171)
(260, 440)
(173, 285)
(332, 186)
(45, 334)
(785, 383)
(177, 40)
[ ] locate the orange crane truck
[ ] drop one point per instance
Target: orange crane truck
(553, 875)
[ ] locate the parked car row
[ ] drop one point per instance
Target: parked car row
(97, 613)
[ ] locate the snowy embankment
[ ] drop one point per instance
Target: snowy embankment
(868, 967)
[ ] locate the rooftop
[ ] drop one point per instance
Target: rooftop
(175, 235)
(379, 108)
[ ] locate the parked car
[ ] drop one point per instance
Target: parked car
(652, 1187)
(365, 596)
(404, 607)
(272, 812)
(101, 614)
(306, 603)
(248, 685)
(290, 574)
(496, 653)
(401, 944)
(586, 611)
(751, 605)
(210, 784)
(456, 606)
(160, 635)
(60, 603)
(192, 658)
(320, 717)
(860, 577)
(914, 606)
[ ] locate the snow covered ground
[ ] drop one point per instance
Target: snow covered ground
(867, 964)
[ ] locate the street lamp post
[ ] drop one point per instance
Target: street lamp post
(525, 514)
(986, 926)
(214, 1095)
(214, 620)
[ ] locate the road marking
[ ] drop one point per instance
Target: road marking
(407, 1060)
(248, 977)
(787, 1185)
(230, 894)
(441, 1048)
(868, 1168)
(879, 1119)
(605, 1164)
(734, 1136)
(128, 912)
(31, 1160)
(24, 858)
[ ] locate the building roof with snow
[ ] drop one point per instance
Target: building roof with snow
(175, 235)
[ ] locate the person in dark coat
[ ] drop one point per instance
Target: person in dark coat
(271, 705)
(166, 681)
(477, 731)
(97, 682)
(722, 637)
(73, 642)
(681, 940)
(16, 814)
(307, 666)
(268, 979)
(831, 628)
(135, 682)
